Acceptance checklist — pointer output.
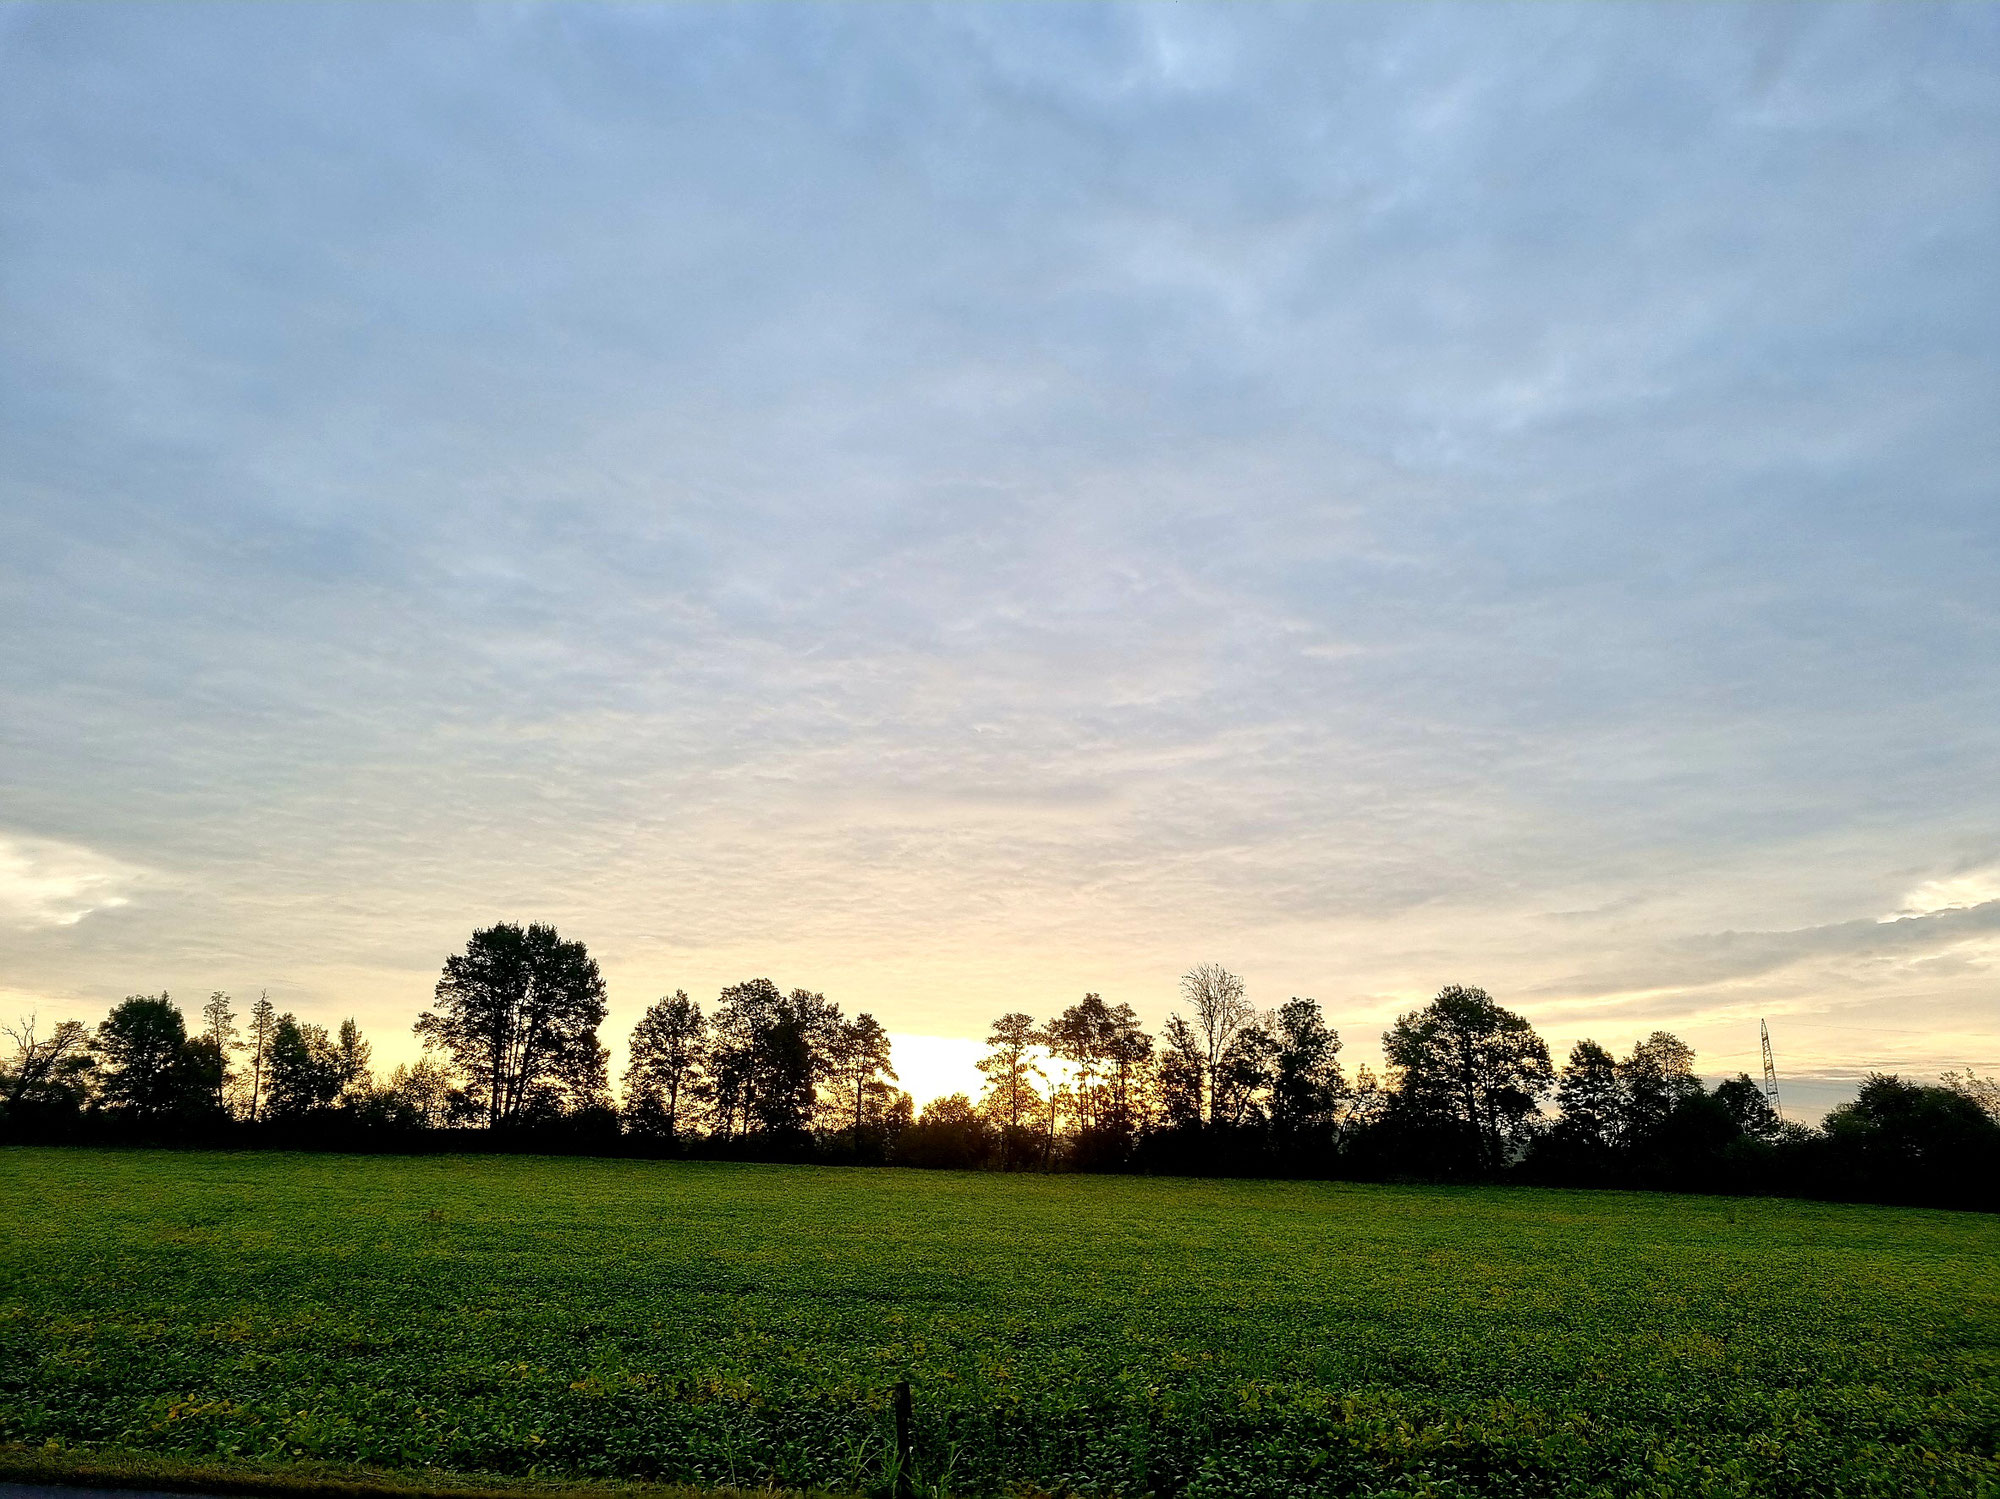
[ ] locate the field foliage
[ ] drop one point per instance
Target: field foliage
(745, 1324)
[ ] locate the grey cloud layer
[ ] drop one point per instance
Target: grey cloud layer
(1718, 957)
(1028, 489)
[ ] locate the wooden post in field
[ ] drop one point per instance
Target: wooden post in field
(905, 1454)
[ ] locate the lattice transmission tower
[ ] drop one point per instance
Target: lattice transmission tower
(1770, 1068)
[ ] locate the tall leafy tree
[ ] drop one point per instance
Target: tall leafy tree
(305, 1072)
(1306, 1083)
(1742, 1099)
(421, 1091)
(951, 1133)
(1366, 1102)
(796, 1053)
(1590, 1100)
(741, 1013)
(1657, 1078)
(1077, 1036)
(153, 1070)
(669, 1059)
(1182, 1076)
(1902, 1140)
(771, 1052)
(353, 1053)
(1011, 1098)
(1984, 1091)
(1125, 1054)
(204, 1072)
(1108, 1052)
(1240, 1084)
(861, 1070)
(519, 1010)
(1585, 1145)
(1464, 1061)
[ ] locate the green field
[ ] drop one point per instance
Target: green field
(744, 1325)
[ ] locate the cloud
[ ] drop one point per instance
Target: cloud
(1711, 958)
(44, 883)
(965, 507)
(1954, 892)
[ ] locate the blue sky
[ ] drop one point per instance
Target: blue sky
(960, 507)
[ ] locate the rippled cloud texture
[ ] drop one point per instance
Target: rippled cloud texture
(960, 507)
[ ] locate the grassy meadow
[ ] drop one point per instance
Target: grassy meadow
(744, 1325)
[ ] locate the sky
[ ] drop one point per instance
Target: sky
(956, 508)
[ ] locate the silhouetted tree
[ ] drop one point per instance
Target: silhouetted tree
(795, 1053)
(666, 1078)
(1699, 1146)
(949, 1133)
(743, 1013)
(1011, 1099)
(1240, 1082)
(153, 1071)
(48, 1076)
(518, 1010)
(263, 1026)
(1647, 1121)
(1365, 1104)
(1742, 1099)
(1908, 1142)
(1076, 1036)
(1982, 1091)
(423, 1091)
(1182, 1076)
(1220, 1011)
(1125, 1057)
(305, 1073)
(1063, 1105)
(218, 1024)
(860, 1070)
(1306, 1083)
(140, 1044)
(771, 1051)
(1583, 1143)
(1657, 1077)
(356, 1080)
(203, 1072)
(1464, 1063)
(1109, 1054)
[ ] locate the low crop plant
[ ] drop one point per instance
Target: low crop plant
(745, 1326)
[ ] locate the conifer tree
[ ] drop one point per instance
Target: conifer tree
(218, 1024)
(263, 1027)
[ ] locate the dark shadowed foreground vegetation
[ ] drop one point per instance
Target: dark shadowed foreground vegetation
(745, 1324)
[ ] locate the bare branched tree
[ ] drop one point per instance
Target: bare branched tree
(58, 1059)
(1220, 1011)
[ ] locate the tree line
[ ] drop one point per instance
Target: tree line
(512, 1059)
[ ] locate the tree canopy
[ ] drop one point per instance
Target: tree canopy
(1465, 1063)
(518, 1011)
